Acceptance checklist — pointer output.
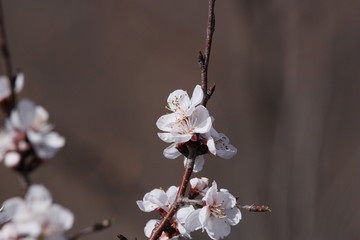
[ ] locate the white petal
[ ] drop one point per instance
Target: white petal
(197, 96)
(211, 194)
(183, 213)
(19, 82)
(199, 183)
(12, 159)
(199, 163)
(201, 120)
(165, 122)
(150, 225)
(41, 114)
(171, 152)
(204, 216)
(226, 199)
(179, 101)
(167, 137)
(233, 216)
(217, 228)
(171, 194)
(211, 145)
(11, 207)
(26, 109)
(38, 198)
(32, 229)
(227, 152)
(182, 138)
(4, 87)
(192, 222)
(60, 219)
(157, 198)
(54, 140)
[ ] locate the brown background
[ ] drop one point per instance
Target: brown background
(287, 75)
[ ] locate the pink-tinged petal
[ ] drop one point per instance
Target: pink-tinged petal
(200, 119)
(199, 163)
(217, 228)
(26, 109)
(60, 219)
(149, 227)
(171, 194)
(12, 159)
(192, 222)
(233, 216)
(165, 122)
(197, 96)
(178, 101)
(167, 137)
(4, 87)
(19, 82)
(171, 152)
(226, 199)
(199, 183)
(38, 198)
(211, 194)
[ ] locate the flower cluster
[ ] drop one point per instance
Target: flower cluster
(34, 217)
(27, 131)
(215, 212)
(189, 121)
(189, 129)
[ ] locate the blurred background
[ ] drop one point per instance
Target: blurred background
(287, 75)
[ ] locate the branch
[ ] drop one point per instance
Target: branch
(92, 229)
(204, 59)
(7, 68)
(184, 182)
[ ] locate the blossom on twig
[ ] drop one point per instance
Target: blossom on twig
(28, 127)
(35, 217)
(217, 215)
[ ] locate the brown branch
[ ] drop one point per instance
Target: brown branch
(92, 229)
(7, 66)
(181, 192)
(204, 59)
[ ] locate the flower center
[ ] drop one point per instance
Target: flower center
(216, 211)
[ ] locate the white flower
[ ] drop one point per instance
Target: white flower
(158, 199)
(180, 103)
(180, 129)
(36, 217)
(187, 119)
(28, 121)
(217, 215)
(177, 228)
(5, 90)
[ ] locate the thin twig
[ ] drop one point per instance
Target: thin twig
(255, 208)
(181, 192)
(7, 68)
(92, 229)
(204, 63)
(204, 59)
